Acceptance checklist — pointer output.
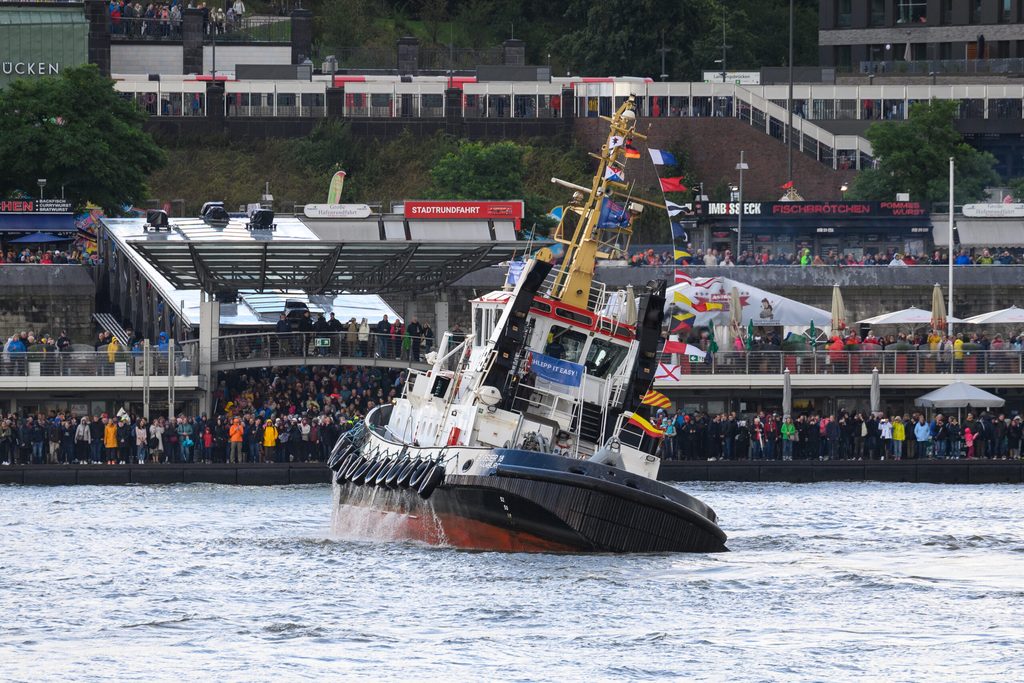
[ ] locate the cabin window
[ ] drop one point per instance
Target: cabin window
(440, 388)
(604, 358)
(565, 344)
(478, 323)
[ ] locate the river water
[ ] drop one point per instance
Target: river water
(826, 582)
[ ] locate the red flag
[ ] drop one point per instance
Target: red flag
(673, 184)
(788, 186)
(682, 278)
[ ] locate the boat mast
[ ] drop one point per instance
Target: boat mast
(588, 242)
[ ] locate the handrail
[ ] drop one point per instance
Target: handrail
(858, 362)
(325, 346)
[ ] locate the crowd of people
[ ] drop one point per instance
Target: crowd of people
(163, 19)
(45, 256)
(652, 256)
(845, 436)
(269, 415)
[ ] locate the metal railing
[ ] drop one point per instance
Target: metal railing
(256, 29)
(1013, 65)
(825, 362)
(90, 364)
(317, 347)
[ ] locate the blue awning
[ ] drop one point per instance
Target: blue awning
(37, 222)
(38, 237)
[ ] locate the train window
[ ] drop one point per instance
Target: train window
(565, 344)
(604, 358)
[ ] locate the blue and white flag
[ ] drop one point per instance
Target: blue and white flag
(673, 208)
(555, 370)
(612, 173)
(515, 271)
(679, 232)
(662, 158)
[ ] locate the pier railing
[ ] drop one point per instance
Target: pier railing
(320, 347)
(825, 362)
(90, 364)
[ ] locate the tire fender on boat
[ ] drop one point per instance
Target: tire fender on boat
(394, 470)
(371, 473)
(382, 473)
(354, 464)
(362, 474)
(435, 475)
(335, 463)
(402, 480)
(419, 474)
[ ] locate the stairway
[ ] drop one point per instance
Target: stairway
(109, 323)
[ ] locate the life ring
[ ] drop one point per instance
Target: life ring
(402, 480)
(360, 475)
(419, 474)
(353, 465)
(378, 479)
(338, 456)
(392, 476)
(430, 482)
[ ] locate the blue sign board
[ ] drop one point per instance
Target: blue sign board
(555, 370)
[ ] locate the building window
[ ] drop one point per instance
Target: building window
(877, 12)
(975, 11)
(947, 12)
(1007, 14)
(845, 15)
(912, 12)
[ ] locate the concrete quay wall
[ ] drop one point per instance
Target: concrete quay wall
(797, 472)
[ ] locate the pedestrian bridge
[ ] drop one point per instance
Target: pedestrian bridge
(281, 349)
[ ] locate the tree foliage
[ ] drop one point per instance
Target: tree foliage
(913, 156)
(79, 134)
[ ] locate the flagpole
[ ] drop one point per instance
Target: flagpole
(952, 208)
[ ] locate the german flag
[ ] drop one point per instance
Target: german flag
(631, 151)
(656, 399)
(647, 427)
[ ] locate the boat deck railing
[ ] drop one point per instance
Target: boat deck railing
(824, 362)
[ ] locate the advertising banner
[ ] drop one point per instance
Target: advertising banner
(512, 210)
(555, 370)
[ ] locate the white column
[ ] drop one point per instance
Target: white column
(209, 329)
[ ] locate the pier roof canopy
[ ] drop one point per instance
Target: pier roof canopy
(380, 254)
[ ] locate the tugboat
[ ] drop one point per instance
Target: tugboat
(534, 434)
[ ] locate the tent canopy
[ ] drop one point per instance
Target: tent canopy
(1005, 316)
(38, 237)
(960, 395)
(908, 316)
(709, 299)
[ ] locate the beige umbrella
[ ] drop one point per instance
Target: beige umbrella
(838, 310)
(735, 313)
(938, 309)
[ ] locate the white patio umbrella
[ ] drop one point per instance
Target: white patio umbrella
(908, 316)
(1004, 316)
(960, 395)
(838, 310)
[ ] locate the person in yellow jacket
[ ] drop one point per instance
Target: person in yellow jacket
(110, 439)
(269, 441)
(958, 348)
(112, 348)
(899, 435)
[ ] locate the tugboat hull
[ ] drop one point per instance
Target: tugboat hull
(534, 502)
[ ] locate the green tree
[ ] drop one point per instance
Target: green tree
(913, 156)
(79, 134)
(479, 171)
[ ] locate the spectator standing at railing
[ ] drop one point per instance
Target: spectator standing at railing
(364, 338)
(382, 329)
(238, 7)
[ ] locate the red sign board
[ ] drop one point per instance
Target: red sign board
(465, 210)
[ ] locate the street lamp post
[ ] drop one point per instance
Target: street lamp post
(789, 105)
(843, 188)
(41, 182)
(741, 167)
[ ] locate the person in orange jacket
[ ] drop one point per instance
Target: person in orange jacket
(235, 436)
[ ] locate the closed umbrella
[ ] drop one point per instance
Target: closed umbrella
(838, 310)
(787, 393)
(735, 313)
(876, 392)
(938, 321)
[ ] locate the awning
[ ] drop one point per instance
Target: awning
(37, 222)
(990, 233)
(38, 237)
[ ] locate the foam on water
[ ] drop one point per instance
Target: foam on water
(200, 582)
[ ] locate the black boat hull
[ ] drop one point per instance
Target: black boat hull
(534, 502)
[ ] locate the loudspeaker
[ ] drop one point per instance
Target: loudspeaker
(261, 219)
